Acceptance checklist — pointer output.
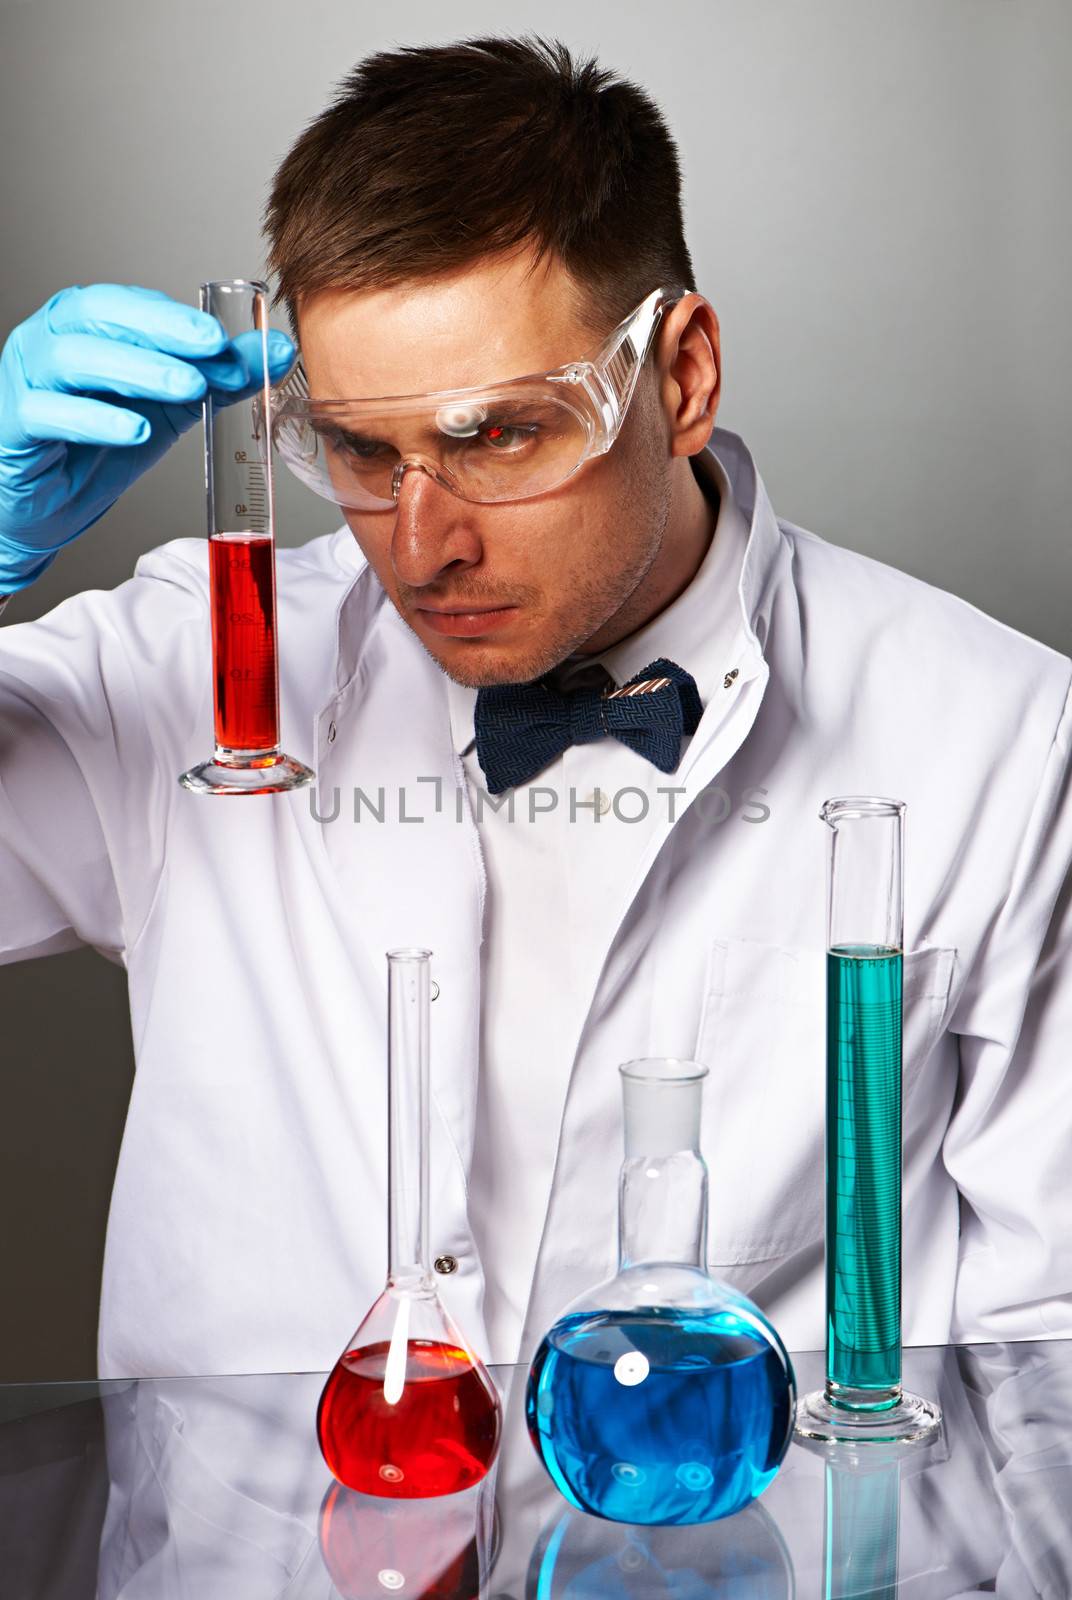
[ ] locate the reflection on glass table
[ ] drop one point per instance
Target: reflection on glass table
(181, 1487)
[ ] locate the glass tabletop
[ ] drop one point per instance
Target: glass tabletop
(176, 1488)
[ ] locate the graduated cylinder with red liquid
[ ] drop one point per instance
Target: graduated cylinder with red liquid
(238, 485)
(408, 1410)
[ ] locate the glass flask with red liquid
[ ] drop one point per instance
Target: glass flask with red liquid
(247, 758)
(408, 1410)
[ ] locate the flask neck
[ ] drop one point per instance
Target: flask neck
(408, 995)
(662, 1209)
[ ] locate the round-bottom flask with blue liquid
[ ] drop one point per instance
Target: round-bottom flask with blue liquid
(662, 1395)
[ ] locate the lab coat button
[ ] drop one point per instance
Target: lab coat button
(599, 800)
(728, 679)
(331, 732)
(446, 1264)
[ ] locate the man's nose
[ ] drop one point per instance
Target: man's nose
(433, 530)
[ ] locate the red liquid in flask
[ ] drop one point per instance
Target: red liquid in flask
(439, 1436)
(243, 641)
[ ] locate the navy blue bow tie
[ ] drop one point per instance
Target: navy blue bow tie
(520, 727)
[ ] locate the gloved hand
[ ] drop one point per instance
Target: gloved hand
(66, 452)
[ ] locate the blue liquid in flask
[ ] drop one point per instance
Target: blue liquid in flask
(661, 1415)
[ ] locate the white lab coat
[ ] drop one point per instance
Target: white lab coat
(247, 1227)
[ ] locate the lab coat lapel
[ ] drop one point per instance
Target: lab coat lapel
(415, 877)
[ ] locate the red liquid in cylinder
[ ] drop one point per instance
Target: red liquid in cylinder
(245, 679)
(439, 1436)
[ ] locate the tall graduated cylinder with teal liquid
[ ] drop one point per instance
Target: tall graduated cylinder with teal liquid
(863, 1398)
(661, 1396)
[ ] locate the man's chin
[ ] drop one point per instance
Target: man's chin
(478, 663)
(472, 675)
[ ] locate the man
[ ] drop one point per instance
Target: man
(460, 217)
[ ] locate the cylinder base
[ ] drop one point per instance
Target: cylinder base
(267, 773)
(911, 1420)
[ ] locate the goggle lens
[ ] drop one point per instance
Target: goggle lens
(483, 452)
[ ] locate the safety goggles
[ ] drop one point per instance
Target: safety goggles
(502, 441)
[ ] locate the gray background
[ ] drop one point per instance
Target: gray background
(876, 203)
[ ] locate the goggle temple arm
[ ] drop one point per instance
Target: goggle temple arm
(620, 361)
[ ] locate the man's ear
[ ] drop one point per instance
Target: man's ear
(690, 367)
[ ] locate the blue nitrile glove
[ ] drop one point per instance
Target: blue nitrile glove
(66, 452)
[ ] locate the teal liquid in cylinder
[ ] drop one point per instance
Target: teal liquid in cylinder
(863, 1223)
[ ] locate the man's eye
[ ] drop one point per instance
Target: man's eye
(355, 445)
(506, 436)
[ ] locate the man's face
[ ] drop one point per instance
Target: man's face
(548, 575)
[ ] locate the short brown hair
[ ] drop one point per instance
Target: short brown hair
(433, 156)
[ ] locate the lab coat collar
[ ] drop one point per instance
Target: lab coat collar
(765, 558)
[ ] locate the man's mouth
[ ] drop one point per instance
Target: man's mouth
(456, 611)
(466, 621)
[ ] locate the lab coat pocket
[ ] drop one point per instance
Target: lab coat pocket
(762, 1034)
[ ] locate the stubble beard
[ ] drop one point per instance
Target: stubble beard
(598, 605)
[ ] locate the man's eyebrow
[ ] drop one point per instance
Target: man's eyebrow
(328, 424)
(355, 436)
